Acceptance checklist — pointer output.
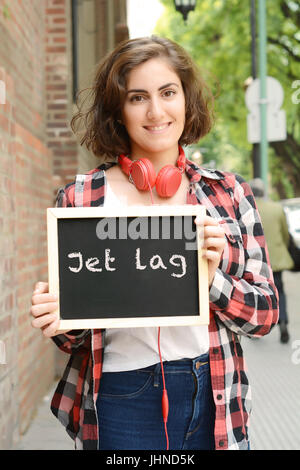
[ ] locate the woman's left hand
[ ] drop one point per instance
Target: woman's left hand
(213, 243)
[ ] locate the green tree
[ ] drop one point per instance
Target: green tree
(217, 35)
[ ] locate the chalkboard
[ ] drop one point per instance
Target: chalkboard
(127, 267)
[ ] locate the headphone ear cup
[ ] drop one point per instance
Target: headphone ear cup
(168, 181)
(143, 173)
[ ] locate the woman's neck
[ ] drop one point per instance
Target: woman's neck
(158, 159)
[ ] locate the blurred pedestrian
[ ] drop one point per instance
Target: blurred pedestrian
(277, 237)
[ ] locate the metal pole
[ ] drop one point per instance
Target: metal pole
(255, 148)
(263, 92)
(74, 13)
(253, 37)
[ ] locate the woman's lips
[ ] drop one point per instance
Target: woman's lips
(158, 128)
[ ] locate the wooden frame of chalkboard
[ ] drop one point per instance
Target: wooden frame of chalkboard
(112, 281)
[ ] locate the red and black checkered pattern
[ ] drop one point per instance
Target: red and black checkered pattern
(243, 301)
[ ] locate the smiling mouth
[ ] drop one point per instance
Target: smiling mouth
(159, 128)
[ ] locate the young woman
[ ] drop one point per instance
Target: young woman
(149, 100)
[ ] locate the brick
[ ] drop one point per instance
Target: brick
(55, 49)
(56, 30)
(60, 39)
(55, 11)
(5, 325)
(59, 20)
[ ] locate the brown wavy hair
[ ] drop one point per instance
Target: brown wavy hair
(103, 132)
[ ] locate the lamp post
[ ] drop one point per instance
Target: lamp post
(255, 151)
(263, 92)
(184, 7)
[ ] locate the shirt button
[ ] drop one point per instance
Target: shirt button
(215, 350)
(221, 443)
(219, 397)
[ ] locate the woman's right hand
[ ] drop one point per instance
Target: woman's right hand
(43, 308)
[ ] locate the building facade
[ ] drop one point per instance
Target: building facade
(48, 52)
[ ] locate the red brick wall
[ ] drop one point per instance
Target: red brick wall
(33, 193)
(60, 137)
(8, 301)
(25, 192)
(59, 102)
(38, 154)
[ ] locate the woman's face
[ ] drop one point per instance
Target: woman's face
(154, 108)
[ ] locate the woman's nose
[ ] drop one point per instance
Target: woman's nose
(155, 110)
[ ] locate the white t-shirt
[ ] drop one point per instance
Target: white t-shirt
(135, 348)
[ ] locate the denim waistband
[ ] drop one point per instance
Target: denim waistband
(180, 365)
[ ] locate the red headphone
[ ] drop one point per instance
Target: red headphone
(141, 172)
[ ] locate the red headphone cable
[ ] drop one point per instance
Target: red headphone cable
(164, 400)
(151, 194)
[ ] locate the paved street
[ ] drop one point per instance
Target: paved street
(274, 372)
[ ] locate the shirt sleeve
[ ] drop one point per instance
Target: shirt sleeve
(247, 305)
(65, 196)
(73, 340)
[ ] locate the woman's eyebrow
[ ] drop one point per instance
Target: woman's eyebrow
(138, 90)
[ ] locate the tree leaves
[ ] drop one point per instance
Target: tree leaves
(218, 37)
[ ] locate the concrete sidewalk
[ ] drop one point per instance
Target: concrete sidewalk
(45, 431)
(274, 374)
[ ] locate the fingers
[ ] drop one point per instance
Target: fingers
(213, 234)
(213, 243)
(216, 244)
(43, 298)
(213, 247)
(206, 220)
(212, 255)
(44, 320)
(48, 322)
(50, 330)
(43, 309)
(41, 288)
(211, 226)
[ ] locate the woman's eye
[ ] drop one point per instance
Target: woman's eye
(169, 93)
(137, 98)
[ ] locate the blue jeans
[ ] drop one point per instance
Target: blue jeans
(283, 317)
(129, 407)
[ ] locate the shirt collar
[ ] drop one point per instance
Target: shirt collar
(193, 171)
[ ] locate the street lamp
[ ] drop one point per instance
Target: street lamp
(255, 151)
(184, 7)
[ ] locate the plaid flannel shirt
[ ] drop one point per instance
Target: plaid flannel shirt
(243, 301)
